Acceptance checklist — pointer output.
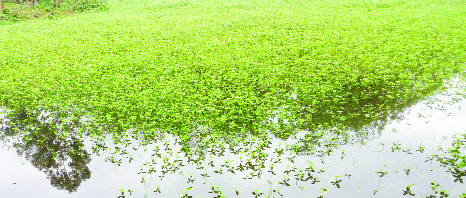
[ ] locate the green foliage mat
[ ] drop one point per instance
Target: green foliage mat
(231, 66)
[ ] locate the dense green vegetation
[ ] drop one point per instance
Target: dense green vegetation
(230, 65)
(215, 70)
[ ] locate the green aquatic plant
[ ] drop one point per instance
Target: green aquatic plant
(256, 193)
(238, 83)
(157, 190)
(216, 190)
(323, 191)
(453, 158)
(396, 146)
(463, 195)
(408, 190)
(337, 181)
(421, 148)
(407, 170)
(229, 76)
(186, 191)
(381, 173)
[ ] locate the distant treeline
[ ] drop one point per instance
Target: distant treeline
(33, 3)
(76, 5)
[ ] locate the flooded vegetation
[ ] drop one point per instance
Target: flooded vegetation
(236, 99)
(417, 150)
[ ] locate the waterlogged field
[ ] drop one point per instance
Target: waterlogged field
(418, 152)
(235, 98)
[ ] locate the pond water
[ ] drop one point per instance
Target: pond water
(417, 152)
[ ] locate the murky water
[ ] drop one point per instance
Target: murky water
(388, 159)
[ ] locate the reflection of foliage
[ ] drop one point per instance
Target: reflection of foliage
(50, 148)
(50, 144)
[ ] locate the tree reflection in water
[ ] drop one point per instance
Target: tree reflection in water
(52, 146)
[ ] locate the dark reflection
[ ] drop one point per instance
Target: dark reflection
(353, 119)
(51, 146)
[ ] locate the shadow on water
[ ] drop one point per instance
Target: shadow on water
(283, 155)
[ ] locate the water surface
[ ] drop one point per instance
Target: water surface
(390, 157)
